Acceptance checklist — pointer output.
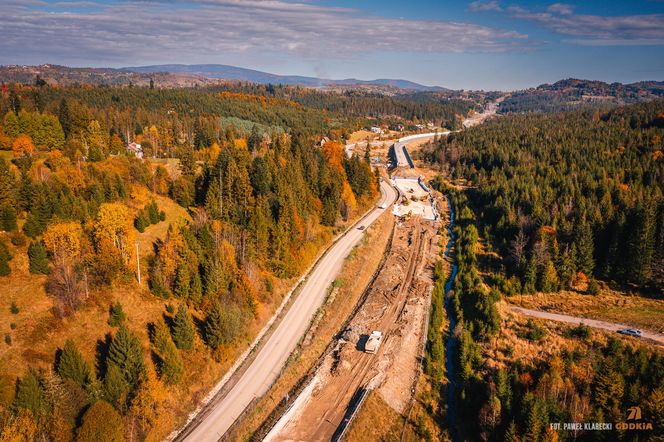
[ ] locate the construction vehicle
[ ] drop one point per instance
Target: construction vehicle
(372, 344)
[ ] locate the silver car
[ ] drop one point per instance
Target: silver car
(630, 332)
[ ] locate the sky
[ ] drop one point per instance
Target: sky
(480, 44)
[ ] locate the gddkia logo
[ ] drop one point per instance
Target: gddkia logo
(634, 414)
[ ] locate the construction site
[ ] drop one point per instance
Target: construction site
(381, 347)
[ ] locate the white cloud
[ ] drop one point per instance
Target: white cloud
(204, 29)
(560, 8)
(482, 6)
(646, 29)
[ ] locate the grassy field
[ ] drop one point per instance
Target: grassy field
(376, 420)
(609, 306)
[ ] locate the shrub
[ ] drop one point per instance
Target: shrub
(593, 287)
(17, 238)
(116, 314)
(101, 423)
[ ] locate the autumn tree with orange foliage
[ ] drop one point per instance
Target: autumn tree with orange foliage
(23, 146)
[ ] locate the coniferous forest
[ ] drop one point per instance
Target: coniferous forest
(568, 202)
(568, 196)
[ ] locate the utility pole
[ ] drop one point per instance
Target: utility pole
(221, 192)
(138, 264)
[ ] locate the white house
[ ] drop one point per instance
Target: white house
(136, 149)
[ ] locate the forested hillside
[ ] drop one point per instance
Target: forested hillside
(571, 202)
(509, 378)
(572, 94)
(232, 200)
(569, 197)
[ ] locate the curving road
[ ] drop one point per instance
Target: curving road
(216, 418)
(594, 323)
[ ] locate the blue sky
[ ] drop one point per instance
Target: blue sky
(481, 44)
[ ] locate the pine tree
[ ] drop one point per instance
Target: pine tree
(530, 276)
(584, 249)
(196, 289)
(101, 423)
(182, 281)
(153, 213)
(641, 242)
(141, 221)
(511, 435)
(548, 281)
(38, 259)
(169, 362)
(115, 387)
(223, 324)
(30, 394)
(5, 257)
(183, 329)
(214, 327)
(7, 218)
(126, 353)
(536, 420)
(116, 314)
(71, 364)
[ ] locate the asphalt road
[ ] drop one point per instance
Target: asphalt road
(589, 322)
(266, 366)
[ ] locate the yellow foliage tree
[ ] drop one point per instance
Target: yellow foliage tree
(333, 153)
(114, 225)
(349, 204)
(19, 428)
(23, 146)
(63, 241)
(147, 407)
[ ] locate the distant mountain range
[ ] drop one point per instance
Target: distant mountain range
(563, 95)
(226, 72)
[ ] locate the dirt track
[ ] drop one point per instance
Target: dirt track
(657, 337)
(396, 305)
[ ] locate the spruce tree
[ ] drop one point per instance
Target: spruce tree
(29, 393)
(183, 329)
(169, 362)
(71, 364)
(548, 281)
(182, 281)
(7, 218)
(116, 314)
(115, 387)
(141, 222)
(214, 327)
(126, 354)
(511, 435)
(153, 213)
(5, 257)
(196, 289)
(584, 249)
(38, 259)
(530, 276)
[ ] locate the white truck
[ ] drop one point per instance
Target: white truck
(372, 344)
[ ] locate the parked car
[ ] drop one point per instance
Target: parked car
(630, 332)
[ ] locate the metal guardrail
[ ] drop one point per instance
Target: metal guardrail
(355, 405)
